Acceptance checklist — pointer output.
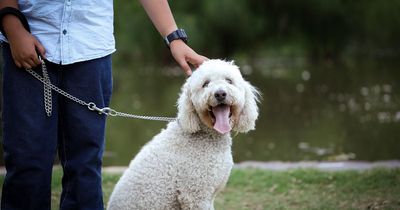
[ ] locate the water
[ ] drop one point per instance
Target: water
(319, 111)
(309, 111)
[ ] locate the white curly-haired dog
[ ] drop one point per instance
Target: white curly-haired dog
(185, 165)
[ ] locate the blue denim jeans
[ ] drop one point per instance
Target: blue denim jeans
(31, 139)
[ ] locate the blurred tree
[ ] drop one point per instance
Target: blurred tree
(325, 29)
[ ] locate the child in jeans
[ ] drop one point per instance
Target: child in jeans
(75, 38)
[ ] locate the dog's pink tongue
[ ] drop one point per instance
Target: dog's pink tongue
(221, 114)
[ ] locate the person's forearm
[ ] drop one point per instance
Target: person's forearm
(11, 24)
(160, 14)
(8, 3)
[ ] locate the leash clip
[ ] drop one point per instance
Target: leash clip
(106, 110)
(92, 106)
(109, 111)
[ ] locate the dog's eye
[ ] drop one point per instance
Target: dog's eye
(229, 81)
(205, 84)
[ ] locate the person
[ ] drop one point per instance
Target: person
(75, 39)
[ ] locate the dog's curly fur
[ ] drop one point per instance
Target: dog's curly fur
(185, 165)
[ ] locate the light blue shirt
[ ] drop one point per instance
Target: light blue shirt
(71, 30)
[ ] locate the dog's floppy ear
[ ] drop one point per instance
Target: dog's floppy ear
(187, 117)
(249, 114)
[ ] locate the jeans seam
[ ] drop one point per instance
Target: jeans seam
(64, 165)
(65, 173)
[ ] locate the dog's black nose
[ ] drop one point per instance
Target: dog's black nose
(220, 95)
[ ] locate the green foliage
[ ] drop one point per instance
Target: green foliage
(322, 29)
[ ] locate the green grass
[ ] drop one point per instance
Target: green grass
(293, 189)
(311, 189)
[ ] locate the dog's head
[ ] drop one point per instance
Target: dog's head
(217, 96)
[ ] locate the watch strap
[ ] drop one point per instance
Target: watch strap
(178, 34)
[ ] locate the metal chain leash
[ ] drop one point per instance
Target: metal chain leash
(47, 90)
(48, 86)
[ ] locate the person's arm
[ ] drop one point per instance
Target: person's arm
(162, 18)
(23, 45)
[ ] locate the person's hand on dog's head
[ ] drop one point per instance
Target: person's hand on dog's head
(184, 55)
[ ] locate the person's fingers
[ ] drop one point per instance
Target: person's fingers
(35, 59)
(184, 55)
(31, 62)
(197, 60)
(39, 47)
(26, 65)
(185, 66)
(204, 58)
(18, 64)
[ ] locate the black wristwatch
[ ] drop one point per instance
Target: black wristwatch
(178, 34)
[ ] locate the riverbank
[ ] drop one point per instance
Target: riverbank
(281, 166)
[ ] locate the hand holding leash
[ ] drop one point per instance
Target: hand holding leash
(25, 49)
(24, 46)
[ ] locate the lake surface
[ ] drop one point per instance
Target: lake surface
(310, 110)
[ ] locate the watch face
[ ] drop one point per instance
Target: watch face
(181, 33)
(178, 34)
